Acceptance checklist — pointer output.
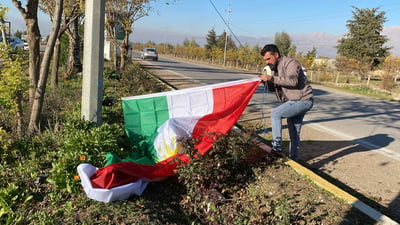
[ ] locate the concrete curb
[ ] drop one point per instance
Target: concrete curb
(366, 209)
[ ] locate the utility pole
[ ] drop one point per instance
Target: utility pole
(227, 30)
(93, 61)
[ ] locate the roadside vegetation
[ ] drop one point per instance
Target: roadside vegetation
(231, 184)
(43, 138)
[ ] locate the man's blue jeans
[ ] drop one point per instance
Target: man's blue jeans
(294, 111)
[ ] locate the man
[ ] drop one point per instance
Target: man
(286, 78)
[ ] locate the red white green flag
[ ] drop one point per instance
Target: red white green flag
(156, 122)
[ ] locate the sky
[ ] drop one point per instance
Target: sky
(191, 19)
(259, 18)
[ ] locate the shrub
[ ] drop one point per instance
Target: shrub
(111, 74)
(213, 178)
(136, 81)
(83, 143)
(10, 198)
(5, 141)
(14, 86)
(388, 82)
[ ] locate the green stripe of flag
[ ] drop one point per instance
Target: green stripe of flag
(142, 117)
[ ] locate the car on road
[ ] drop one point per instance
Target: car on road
(149, 53)
(14, 42)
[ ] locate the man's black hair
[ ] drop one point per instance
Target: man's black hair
(270, 48)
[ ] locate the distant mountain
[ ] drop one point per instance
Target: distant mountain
(324, 43)
(393, 33)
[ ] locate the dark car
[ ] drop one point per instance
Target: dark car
(149, 53)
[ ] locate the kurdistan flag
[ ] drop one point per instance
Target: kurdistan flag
(156, 122)
(163, 118)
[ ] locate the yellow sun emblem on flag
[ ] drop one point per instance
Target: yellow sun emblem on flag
(170, 148)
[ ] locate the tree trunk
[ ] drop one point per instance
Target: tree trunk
(56, 64)
(4, 36)
(77, 47)
(124, 51)
(115, 55)
(44, 71)
(337, 78)
(71, 58)
(368, 79)
(20, 115)
(115, 51)
(33, 37)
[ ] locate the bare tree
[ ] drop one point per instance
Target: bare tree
(390, 71)
(72, 14)
(38, 75)
(121, 15)
(44, 71)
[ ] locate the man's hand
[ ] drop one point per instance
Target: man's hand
(265, 77)
(266, 74)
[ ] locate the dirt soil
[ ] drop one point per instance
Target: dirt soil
(366, 174)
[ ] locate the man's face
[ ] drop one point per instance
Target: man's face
(271, 59)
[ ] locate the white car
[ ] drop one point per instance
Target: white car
(149, 53)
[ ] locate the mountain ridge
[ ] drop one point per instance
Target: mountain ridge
(324, 43)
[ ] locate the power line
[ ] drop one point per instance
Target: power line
(226, 32)
(227, 25)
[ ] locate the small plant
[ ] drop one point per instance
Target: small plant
(14, 86)
(213, 178)
(136, 81)
(5, 142)
(111, 74)
(87, 145)
(10, 198)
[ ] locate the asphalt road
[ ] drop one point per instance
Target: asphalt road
(372, 123)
